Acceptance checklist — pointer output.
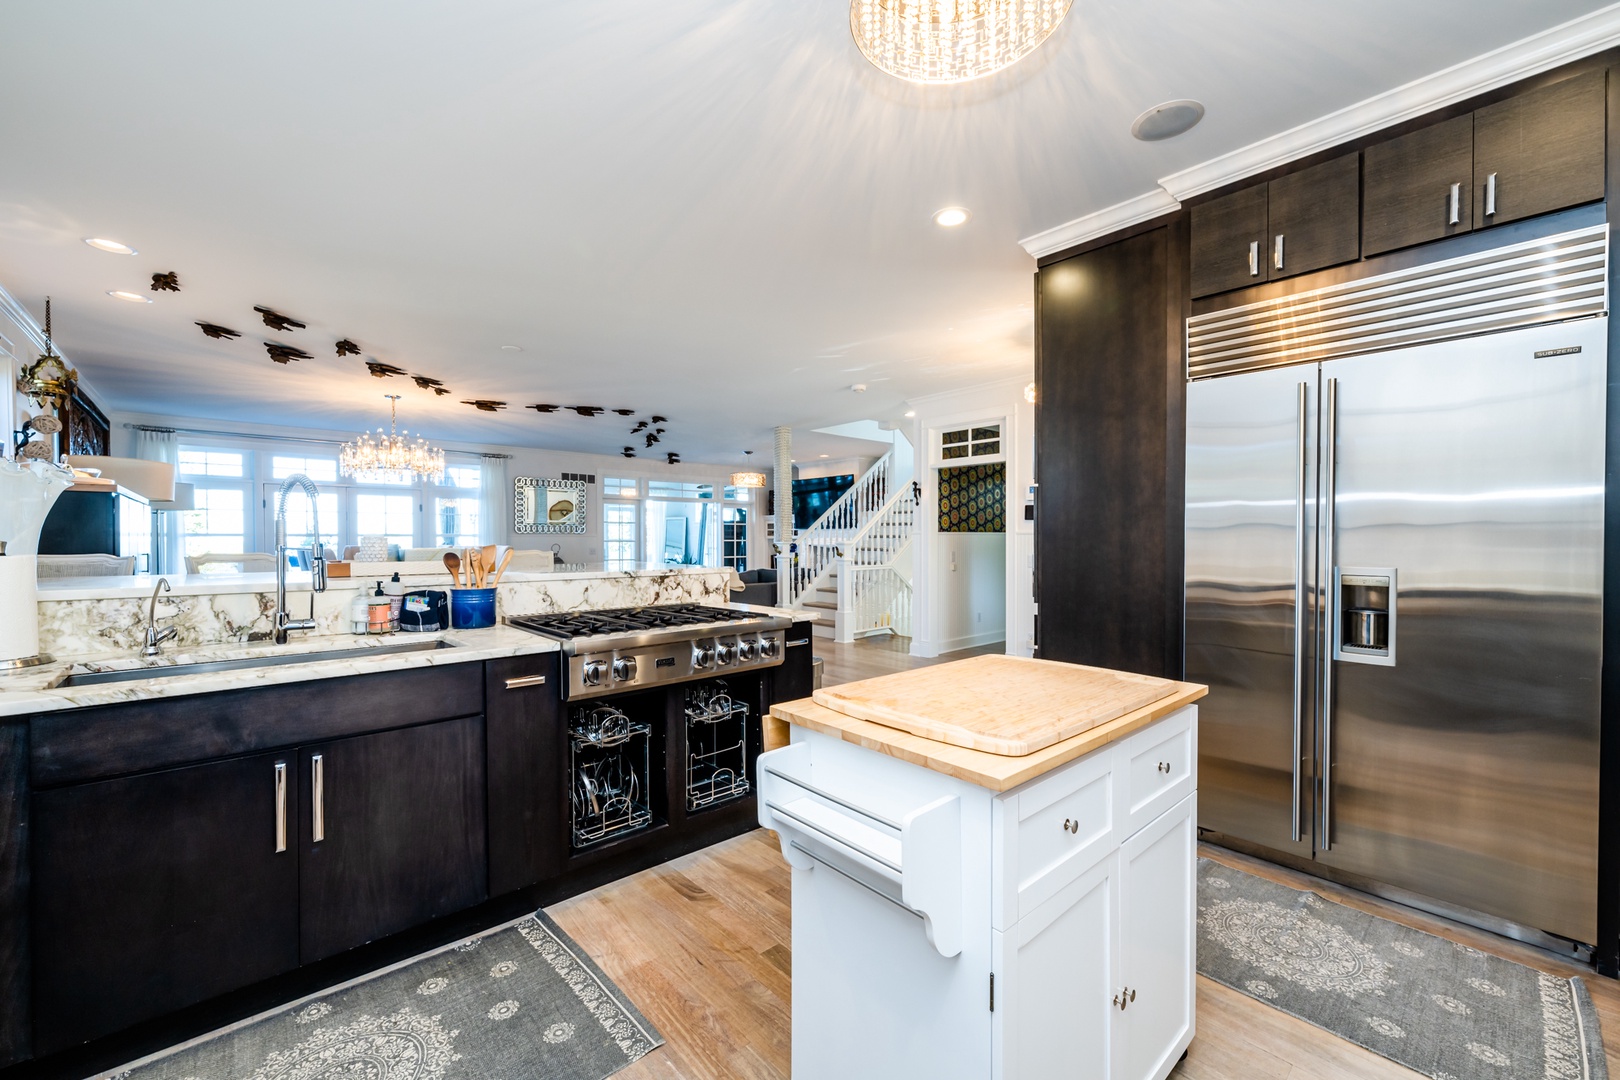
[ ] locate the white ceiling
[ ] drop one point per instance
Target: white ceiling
(715, 210)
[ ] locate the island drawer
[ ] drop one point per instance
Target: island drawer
(1053, 831)
(1155, 769)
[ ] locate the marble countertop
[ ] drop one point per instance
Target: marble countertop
(416, 575)
(36, 690)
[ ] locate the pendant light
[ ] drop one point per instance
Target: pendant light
(391, 458)
(747, 478)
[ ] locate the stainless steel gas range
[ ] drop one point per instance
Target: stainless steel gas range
(622, 649)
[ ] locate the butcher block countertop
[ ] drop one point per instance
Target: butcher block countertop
(1077, 710)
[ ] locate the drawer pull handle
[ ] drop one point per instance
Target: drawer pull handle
(317, 769)
(281, 807)
(1071, 826)
(1164, 766)
(525, 680)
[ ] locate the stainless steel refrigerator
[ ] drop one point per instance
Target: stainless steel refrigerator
(1394, 581)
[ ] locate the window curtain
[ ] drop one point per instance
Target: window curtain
(494, 502)
(168, 537)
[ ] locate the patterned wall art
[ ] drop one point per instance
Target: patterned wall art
(973, 498)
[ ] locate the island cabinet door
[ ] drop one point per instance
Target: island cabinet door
(1157, 912)
(155, 891)
(392, 831)
(1057, 974)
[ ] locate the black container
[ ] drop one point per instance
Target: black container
(424, 611)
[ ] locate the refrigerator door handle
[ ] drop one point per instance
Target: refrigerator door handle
(1301, 470)
(1330, 605)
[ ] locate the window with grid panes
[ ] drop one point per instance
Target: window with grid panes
(734, 538)
(222, 519)
(620, 535)
(970, 442)
(457, 508)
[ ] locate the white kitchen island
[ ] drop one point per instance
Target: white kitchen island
(959, 913)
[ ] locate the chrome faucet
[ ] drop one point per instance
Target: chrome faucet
(155, 637)
(313, 555)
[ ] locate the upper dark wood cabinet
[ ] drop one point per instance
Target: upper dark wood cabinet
(392, 832)
(1314, 218)
(154, 892)
(1418, 187)
(1228, 242)
(1540, 151)
(523, 722)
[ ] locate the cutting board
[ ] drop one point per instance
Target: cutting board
(1007, 705)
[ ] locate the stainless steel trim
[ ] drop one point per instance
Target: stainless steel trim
(1301, 470)
(1277, 252)
(281, 807)
(1454, 215)
(1254, 258)
(1546, 280)
(800, 641)
(317, 768)
(521, 681)
(1330, 462)
(1490, 195)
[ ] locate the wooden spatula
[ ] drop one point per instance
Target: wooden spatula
(475, 568)
(488, 563)
(505, 559)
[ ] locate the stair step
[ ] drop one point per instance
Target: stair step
(821, 605)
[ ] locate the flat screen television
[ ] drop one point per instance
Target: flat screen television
(812, 498)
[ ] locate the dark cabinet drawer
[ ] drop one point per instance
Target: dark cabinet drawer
(1314, 217)
(155, 892)
(1540, 151)
(1418, 187)
(1228, 242)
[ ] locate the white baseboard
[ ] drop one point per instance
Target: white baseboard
(931, 649)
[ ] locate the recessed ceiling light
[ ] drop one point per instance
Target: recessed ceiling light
(511, 348)
(910, 413)
(1168, 120)
(132, 297)
(112, 246)
(859, 388)
(824, 455)
(951, 217)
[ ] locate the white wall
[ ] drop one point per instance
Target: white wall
(948, 606)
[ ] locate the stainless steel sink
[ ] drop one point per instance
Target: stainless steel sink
(91, 678)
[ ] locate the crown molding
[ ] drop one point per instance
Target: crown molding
(1560, 44)
(1101, 223)
(1539, 52)
(23, 319)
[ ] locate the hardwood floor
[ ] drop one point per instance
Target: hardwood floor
(701, 945)
(873, 656)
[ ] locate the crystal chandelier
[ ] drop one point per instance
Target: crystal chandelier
(391, 459)
(947, 41)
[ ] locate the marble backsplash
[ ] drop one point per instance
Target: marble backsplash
(72, 628)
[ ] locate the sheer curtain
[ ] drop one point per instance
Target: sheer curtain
(494, 502)
(167, 538)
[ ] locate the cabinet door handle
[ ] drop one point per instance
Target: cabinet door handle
(1254, 258)
(1455, 217)
(1164, 767)
(1277, 252)
(1119, 1000)
(317, 769)
(1070, 826)
(281, 806)
(1490, 195)
(1130, 996)
(525, 680)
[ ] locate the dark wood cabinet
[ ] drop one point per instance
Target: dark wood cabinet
(1314, 218)
(523, 724)
(156, 891)
(1418, 187)
(1228, 242)
(1540, 151)
(1294, 224)
(391, 829)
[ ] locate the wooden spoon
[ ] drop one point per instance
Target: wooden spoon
(452, 563)
(475, 568)
(505, 559)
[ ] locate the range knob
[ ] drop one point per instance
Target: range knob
(591, 673)
(747, 650)
(726, 653)
(769, 647)
(624, 669)
(702, 655)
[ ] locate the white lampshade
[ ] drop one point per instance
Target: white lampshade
(185, 498)
(154, 480)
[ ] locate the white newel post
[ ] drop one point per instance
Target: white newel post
(784, 515)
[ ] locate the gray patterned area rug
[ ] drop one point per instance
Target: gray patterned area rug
(1446, 1010)
(522, 1000)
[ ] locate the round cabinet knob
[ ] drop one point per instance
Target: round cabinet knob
(769, 647)
(702, 656)
(747, 650)
(624, 669)
(726, 653)
(591, 673)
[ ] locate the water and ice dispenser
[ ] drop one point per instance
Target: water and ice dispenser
(1364, 630)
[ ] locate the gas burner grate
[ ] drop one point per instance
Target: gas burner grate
(567, 625)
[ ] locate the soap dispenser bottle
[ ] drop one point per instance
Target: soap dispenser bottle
(377, 611)
(396, 600)
(360, 613)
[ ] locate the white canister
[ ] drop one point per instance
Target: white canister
(19, 607)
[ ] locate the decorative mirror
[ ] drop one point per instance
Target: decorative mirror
(548, 506)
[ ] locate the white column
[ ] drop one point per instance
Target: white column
(783, 477)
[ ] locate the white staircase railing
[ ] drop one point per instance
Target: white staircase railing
(872, 600)
(820, 546)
